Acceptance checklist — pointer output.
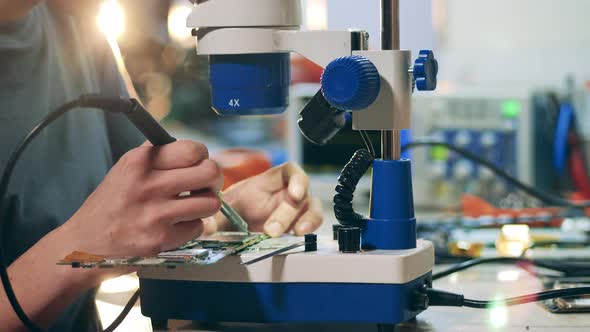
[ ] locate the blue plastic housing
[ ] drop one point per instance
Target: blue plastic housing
(250, 84)
(279, 302)
(392, 224)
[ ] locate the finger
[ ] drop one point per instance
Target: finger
(183, 232)
(206, 175)
(147, 144)
(209, 225)
(288, 174)
(298, 181)
(281, 218)
(179, 154)
(194, 206)
(311, 219)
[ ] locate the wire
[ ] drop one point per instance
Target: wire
(557, 266)
(349, 178)
(542, 296)
(546, 198)
(123, 312)
(368, 144)
(115, 105)
(446, 299)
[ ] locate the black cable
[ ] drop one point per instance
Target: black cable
(115, 105)
(557, 266)
(347, 182)
(123, 312)
(447, 299)
(368, 143)
(546, 198)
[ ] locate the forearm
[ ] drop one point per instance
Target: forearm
(43, 288)
(14, 10)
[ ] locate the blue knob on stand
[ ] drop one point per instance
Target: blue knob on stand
(425, 71)
(351, 83)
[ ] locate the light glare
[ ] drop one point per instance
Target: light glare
(509, 275)
(177, 29)
(111, 19)
(317, 14)
(126, 283)
(498, 317)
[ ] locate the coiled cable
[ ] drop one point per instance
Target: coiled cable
(347, 181)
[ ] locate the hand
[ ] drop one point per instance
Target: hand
(138, 210)
(276, 201)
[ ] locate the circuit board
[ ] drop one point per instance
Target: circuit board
(204, 250)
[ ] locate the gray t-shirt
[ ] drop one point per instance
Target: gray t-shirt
(46, 60)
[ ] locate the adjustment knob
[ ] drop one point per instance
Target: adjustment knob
(351, 83)
(349, 239)
(425, 71)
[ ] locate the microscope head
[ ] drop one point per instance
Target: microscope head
(249, 74)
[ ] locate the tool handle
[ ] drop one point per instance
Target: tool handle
(148, 126)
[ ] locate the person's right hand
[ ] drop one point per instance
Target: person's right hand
(138, 210)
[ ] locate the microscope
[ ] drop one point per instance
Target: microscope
(376, 269)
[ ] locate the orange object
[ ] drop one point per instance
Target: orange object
(239, 164)
(475, 207)
(78, 256)
(304, 71)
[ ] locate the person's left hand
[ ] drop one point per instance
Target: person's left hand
(275, 202)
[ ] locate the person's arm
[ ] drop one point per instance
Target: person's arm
(136, 211)
(43, 288)
(14, 10)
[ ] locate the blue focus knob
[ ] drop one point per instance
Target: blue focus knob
(425, 71)
(351, 83)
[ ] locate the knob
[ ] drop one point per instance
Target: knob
(351, 83)
(319, 121)
(425, 71)
(349, 239)
(335, 229)
(311, 242)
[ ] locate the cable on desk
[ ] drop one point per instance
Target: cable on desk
(566, 268)
(447, 299)
(542, 196)
(114, 105)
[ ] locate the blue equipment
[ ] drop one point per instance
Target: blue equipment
(377, 265)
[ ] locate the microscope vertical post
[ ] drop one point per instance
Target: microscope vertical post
(390, 40)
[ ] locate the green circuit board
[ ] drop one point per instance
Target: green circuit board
(202, 251)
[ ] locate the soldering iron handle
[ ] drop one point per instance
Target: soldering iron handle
(148, 126)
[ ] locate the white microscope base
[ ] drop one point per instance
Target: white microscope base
(323, 286)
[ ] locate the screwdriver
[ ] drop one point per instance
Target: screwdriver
(158, 136)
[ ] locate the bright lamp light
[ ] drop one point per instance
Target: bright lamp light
(177, 29)
(111, 19)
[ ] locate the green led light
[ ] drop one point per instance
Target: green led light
(511, 108)
(439, 153)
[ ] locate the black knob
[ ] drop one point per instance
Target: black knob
(319, 122)
(419, 301)
(311, 242)
(335, 229)
(349, 239)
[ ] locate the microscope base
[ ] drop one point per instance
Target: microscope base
(300, 287)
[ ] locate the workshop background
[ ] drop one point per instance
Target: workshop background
(510, 72)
